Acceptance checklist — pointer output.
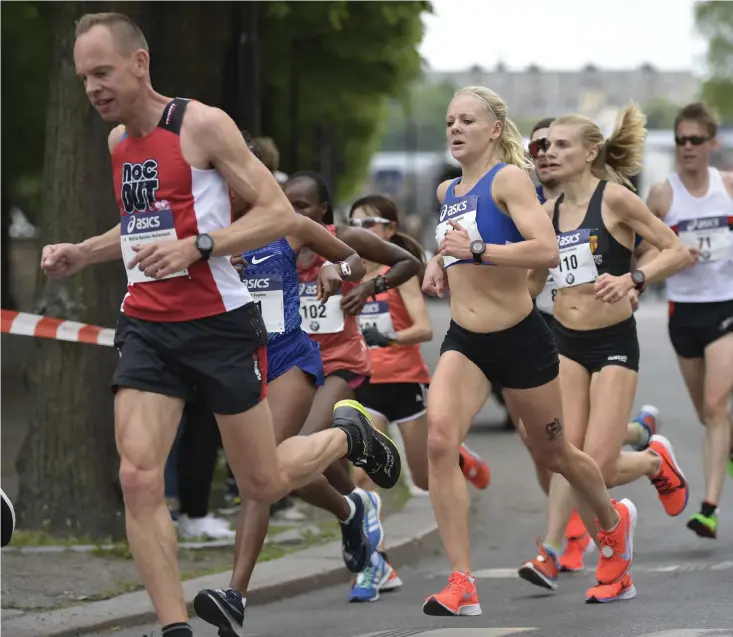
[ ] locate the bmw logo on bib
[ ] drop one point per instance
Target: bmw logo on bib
(570, 278)
(315, 326)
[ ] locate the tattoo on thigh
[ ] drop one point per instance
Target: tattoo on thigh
(554, 429)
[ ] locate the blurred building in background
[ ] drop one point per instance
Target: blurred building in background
(536, 92)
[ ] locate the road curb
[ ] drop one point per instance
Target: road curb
(410, 534)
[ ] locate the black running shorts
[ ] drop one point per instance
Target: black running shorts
(520, 357)
(395, 402)
(596, 349)
(220, 360)
(693, 326)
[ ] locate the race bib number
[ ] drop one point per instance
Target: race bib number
(320, 318)
(267, 293)
(577, 265)
(141, 229)
(462, 212)
(710, 236)
(546, 298)
(376, 315)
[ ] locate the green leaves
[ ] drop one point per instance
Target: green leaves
(714, 20)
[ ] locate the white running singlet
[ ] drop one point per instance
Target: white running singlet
(705, 224)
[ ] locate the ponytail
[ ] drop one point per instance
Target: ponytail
(511, 146)
(621, 156)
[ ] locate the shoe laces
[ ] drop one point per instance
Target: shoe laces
(456, 583)
(663, 484)
(608, 541)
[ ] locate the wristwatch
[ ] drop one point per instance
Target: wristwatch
(205, 245)
(478, 248)
(345, 269)
(639, 279)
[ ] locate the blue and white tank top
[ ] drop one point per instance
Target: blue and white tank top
(271, 277)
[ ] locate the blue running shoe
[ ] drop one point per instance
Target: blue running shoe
(223, 608)
(648, 419)
(355, 545)
(374, 528)
(370, 580)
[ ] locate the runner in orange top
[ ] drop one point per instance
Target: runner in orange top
(394, 323)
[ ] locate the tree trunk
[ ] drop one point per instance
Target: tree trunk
(68, 463)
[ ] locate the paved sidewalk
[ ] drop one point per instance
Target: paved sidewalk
(411, 533)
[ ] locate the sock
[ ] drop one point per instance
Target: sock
(180, 629)
(642, 434)
(352, 508)
(552, 550)
(353, 438)
(708, 509)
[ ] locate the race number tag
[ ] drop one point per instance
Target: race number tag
(463, 212)
(318, 318)
(709, 235)
(376, 315)
(546, 299)
(140, 229)
(577, 265)
(267, 293)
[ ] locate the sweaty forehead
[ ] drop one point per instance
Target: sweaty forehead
(301, 188)
(562, 131)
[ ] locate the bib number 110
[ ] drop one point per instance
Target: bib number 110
(569, 262)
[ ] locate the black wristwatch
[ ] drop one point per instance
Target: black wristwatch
(639, 279)
(205, 245)
(478, 248)
(380, 284)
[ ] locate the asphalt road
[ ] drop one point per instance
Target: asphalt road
(684, 584)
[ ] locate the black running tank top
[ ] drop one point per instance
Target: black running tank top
(609, 255)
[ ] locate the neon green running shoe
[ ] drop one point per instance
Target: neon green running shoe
(704, 525)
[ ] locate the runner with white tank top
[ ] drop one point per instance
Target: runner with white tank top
(697, 202)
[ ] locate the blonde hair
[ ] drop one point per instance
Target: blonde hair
(511, 144)
(621, 155)
(270, 154)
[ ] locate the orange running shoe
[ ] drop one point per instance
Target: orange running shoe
(460, 597)
(670, 483)
(474, 468)
(578, 542)
(602, 594)
(543, 569)
(617, 545)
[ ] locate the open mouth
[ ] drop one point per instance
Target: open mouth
(456, 143)
(102, 103)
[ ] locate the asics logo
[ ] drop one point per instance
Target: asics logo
(449, 211)
(568, 239)
(255, 260)
(703, 224)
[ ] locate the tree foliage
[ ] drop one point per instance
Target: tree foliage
(714, 21)
(660, 113)
(349, 58)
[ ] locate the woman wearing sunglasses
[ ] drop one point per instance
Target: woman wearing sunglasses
(596, 220)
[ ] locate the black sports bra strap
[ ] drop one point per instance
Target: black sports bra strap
(173, 115)
(556, 213)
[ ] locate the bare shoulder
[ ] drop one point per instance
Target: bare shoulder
(202, 121)
(442, 189)
(660, 198)
(115, 137)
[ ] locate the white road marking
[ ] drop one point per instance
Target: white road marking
(511, 573)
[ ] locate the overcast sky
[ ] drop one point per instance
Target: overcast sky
(562, 34)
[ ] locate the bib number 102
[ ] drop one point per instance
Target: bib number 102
(568, 262)
(313, 311)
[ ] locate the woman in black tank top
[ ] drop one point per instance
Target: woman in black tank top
(596, 220)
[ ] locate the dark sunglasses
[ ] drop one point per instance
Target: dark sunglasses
(369, 222)
(538, 145)
(695, 140)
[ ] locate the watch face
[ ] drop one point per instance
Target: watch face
(478, 246)
(205, 242)
(637, 277)
(345, 269)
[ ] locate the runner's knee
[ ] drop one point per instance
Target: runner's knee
(443, 439)
(715, 407)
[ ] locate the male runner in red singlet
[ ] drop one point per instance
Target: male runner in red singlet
(187, 322)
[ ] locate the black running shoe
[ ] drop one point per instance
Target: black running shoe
(355, 546)
(223, 608)
(374, 452)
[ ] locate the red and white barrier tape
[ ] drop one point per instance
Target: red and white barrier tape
(57, 329)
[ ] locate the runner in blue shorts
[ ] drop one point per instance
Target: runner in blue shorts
(294, 372)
